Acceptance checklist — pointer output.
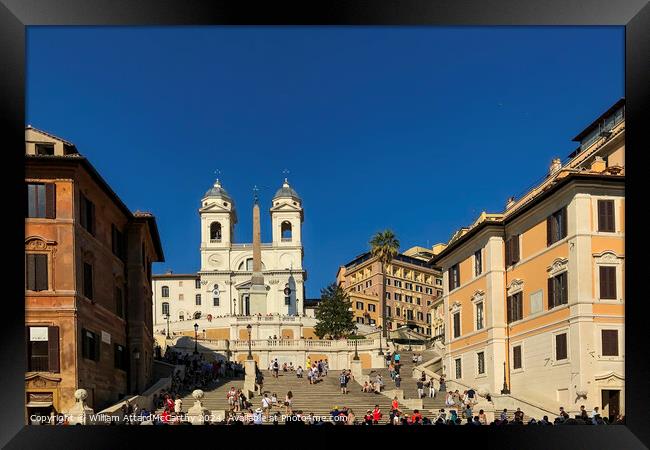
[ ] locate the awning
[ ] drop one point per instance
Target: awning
(38, 404)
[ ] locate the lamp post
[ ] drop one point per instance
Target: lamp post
(381, 350)
(356, 353)
(250, 353)
(167, 317)
(505, 389)
(136, 357)
(196, 332)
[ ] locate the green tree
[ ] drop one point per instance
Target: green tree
(384, 246)
(334, 313)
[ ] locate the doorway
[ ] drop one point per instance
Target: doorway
(611, 403)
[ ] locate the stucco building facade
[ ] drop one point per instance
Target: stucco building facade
(534, 296)
(87, 279)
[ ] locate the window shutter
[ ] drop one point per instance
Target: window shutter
(50, 201)
(549, 230)
(91, 227)
(609, 342)
(565, 226)
(551, 293)
(53, 348)
(82, 211)
(560, 347)
(608, 282)
(508, 252)
(84, 343)
(602, 215)
(41, 272)
(31, 272)
(97, 346)
(564, 293)
(515, 249)
(611, 223)
(516, 357)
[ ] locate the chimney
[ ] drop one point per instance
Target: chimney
(598, 164)
(510, 202)
(556, 165)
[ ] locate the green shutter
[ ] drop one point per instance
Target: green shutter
(53, 348)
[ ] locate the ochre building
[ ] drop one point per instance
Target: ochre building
(534, 296)
(413, 292)
(87, 283)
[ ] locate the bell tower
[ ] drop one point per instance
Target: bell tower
(286, 217)
(218, 219)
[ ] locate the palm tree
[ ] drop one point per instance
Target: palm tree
(385, 246)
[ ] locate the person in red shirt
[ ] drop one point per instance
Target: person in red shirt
(395, 404)
(376, 414)
(165, 416)
(416, 417)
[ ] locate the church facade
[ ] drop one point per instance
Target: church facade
(238, 279)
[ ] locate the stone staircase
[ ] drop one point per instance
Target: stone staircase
(409, 384)
(322, 397)
(318, 399)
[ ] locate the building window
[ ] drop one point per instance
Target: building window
(215, 232)
(87, 214)
(558, 291)
(387, 281)
(512, 250)
(409, 314)
(45, 149)
(42, 349)
(456, 324)
(165, 292)
(90, 344)
(371, 308)
(459, 369)
(181, 315)
(117, 242)
(197, 299)
(388, 311)
(478, 263)
(36, 275)
(516, 357)
(285, 230)
(120, 357)
(88, 281)
(481, 362)
(397, 312)
(560, 347)
(606, 221)
(215, 301)
(387, 295)
(197, 283)
(360, 305)
(607, 282)
(479, 316)
(515, 307)
(249, 264)
(165, 308)
(556, 226)
(119, 302)
(181, 296)
(609, 340)
(420, 316)
(454, 277)
(41, 200)
(429, 318)
(398, 283)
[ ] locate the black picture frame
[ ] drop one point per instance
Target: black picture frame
(15, 15)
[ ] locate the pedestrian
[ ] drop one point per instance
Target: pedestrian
(443, 384)
(266, 405)
(376, 415)
(299, 372)
(398, 380)
(288, 400)
(519, 415)
(343, 381)
(583, 413)
(420, 386)
(178, 404)
(504, 415)
(276, 368)
(432, 389)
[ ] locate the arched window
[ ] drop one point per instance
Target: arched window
(165, 308)
(215, 232)
(285, 229)
(197, 315)
(181, 315)
(165, 291)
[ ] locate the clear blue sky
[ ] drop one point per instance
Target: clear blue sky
(414, 129)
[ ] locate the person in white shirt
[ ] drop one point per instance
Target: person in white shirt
(266, 405)
(299, 372)
(274, 399)
(257, 417)
(178, 404)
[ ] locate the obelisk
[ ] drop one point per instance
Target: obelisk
(257, 290)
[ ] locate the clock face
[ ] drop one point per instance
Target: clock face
(214, 261)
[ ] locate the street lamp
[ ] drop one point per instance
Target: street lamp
(136, 357)
(167, 317)
(250, 353)
(196, 332)
(505, 389)
(381, 347)
(356, 353)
